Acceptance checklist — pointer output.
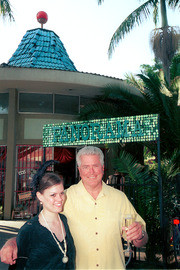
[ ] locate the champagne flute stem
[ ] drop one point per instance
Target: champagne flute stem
(128, 244)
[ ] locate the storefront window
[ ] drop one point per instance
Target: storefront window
(4, 102)
(44, 103)
(67, 104)
(29, 159)
(35, 103)
(84, 101)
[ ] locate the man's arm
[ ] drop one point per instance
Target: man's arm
(8, 253)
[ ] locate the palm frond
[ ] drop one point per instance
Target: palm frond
(135, 103)
(149, 86)
(166, 106)
(162, 104)
(100, 2)
(175, 67)
(174, 3)
(169, 167)
(5, 9)
(133, 81)
(135, 18)
(118, 101)
(127, 164)
(165, 42)
(98, 110)
(152, 94)
(156, 13)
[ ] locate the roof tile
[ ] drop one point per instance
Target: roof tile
(41, 48)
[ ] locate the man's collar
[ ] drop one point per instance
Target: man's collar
(102, 193)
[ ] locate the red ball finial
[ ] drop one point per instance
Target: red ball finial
(42, 17)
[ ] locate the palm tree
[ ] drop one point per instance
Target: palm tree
(5, 10)
(155, 96)
(164, 40)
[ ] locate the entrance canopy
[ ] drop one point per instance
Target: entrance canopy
(137, 128)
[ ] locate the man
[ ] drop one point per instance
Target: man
(96, 214)
(117, 180)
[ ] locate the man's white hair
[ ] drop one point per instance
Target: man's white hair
(89, 150)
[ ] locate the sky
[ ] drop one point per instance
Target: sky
(85, 28)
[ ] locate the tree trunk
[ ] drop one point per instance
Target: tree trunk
(163, 13)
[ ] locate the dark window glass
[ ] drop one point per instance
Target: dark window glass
(66, 104)
(37, 103)
(84, 101)
(4, 102)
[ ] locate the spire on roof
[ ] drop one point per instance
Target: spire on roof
(41, 48)
(42, 17)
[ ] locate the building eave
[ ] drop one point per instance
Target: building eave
(72, 82)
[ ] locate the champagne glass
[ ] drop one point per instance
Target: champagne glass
(128, 220)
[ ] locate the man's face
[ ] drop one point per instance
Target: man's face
(91, 170)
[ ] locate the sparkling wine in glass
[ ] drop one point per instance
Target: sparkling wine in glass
(128, 220)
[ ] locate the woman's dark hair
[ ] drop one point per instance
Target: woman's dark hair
(49, 179)
(43, 179)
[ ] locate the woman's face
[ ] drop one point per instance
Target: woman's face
(53, 198)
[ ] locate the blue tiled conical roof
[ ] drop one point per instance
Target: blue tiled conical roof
(41, 48)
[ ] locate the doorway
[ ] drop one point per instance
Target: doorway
(67, 164)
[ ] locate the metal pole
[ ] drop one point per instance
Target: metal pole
(44, 154)
(161, 196)
(160, 185)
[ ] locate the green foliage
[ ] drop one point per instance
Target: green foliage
(162, 99)
(127, 164)
(5, 10)
(135, 18)
(169, 172)
(174, 3)
(146, 69)
(165, 43)
(157, 66)
(175, 67)
(143, 184)
(151, 95)
(164, 40)
(153, 8)
(100, 2)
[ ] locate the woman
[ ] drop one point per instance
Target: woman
(45, 241)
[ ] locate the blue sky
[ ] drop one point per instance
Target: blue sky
(85, 30)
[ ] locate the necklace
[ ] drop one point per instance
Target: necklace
(65, 258)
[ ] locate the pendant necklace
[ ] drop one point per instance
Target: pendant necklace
(65, 258)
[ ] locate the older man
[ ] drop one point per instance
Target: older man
(96, 214)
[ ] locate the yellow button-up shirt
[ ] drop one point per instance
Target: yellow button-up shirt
(96, 226)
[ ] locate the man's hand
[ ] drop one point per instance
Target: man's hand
(8, 253)
(136, 234)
